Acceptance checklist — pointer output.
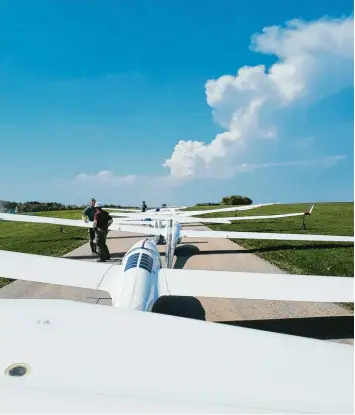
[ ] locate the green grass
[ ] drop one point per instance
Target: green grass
(319, 258)
(35, 238)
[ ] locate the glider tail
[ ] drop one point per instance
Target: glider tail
(309, 210)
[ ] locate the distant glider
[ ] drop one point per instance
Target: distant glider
(173, 232)
(154, 360)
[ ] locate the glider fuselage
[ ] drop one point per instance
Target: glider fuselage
(141, 288)
(141, 266)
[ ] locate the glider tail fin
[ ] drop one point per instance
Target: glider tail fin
(309, 210)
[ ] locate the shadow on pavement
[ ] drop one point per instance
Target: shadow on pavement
(129, 236)
(189, 250)
(114, 256)
(323, 328)
(181, 306)
(183, 253)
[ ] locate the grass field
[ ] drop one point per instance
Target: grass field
(294, 257)
(42, 239)
(319, 258)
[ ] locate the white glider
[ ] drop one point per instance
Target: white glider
(51, 349)
(178, 232)
(191, 233)
(173, 233)
(308, 212)
(182, 219)
(71, 357)
(140, 219)
(83, 224)
(140, 280)
(190, 212)
(163, 209)
(163, 219)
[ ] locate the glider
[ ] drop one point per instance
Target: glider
(72, 357)
(162, 209)
(131, 358)
(162, 219)
(175, 229)
(82, 224)
(140, 280)
(307, 212)
(173, 233)
(188, 212)
(143, 218)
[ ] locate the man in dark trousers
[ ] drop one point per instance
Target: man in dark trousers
(88, 216)
(144, 206)
(102, 220)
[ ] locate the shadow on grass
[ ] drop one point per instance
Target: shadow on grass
(191, 250)
(73, 238)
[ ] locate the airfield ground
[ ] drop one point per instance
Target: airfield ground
(325, 321)
(316, 258)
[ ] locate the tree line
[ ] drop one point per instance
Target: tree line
(229, 200)
(35, 206)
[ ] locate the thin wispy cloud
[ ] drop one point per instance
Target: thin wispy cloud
(321, 161)
(105, 177)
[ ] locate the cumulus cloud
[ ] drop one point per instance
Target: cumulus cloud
(314, 60)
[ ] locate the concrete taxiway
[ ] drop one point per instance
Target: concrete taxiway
(318, 320)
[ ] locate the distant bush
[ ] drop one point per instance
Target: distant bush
(236, 200)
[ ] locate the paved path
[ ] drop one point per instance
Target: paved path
(324, 321)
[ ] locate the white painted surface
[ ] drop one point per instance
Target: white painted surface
(181, 219)
(51, 270)
(264, 235)
(45, 219)
(93, 358)
(230, 209)
(68, 222)
(140, 289)
(176, 212)
(262, 286)
(137, 288)
(283, 215)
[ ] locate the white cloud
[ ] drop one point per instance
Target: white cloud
(109, 187)
(315, 59)
(106, 177)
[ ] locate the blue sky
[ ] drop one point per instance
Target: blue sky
(113, 86)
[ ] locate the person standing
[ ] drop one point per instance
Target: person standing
(88, 216)
(102, 221)
(144, 206)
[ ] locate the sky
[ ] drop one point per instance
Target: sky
(176, 102)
